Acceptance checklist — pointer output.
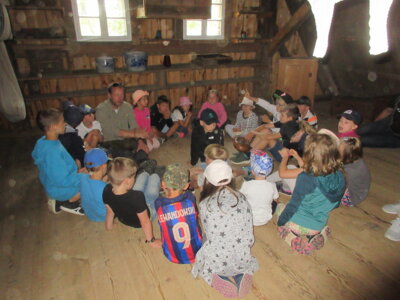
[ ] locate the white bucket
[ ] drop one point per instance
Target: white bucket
(105, 64)
(135, 61)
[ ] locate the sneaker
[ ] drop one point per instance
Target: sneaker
(72, 208)
(223, 285)
(148, 166)
(54, 206)
(244, 283)
(393, 232)
(392, 208)
(282, 190)
(162, 140)
(240, 158)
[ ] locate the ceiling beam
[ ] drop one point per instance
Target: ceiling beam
(291, 26)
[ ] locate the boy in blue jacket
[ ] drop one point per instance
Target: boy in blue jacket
(58, 172)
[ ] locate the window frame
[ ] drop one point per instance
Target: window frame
(204, 35)
(104, 37)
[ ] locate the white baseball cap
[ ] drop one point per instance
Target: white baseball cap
(246, 101)
(218, 173)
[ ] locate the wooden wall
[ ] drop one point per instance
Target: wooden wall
(52, 66)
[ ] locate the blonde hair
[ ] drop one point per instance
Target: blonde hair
(121, 168)
(307, 128)
(213, 91)
(352, 150)
(321, 155)
(216, 151)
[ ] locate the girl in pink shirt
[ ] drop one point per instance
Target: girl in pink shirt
(142, 116)
(213, 103)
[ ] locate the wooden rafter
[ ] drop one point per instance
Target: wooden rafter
(291, 26)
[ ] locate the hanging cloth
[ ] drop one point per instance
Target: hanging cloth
(12, 103)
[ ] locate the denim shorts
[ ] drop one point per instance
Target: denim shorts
(275, 150)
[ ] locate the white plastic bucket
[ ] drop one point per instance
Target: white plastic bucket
(135, 61)
(105, 64)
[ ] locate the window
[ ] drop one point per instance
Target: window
(378, 16)
(210, 29)
(102, 20)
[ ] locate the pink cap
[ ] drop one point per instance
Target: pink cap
(136, 95)
(185, 101)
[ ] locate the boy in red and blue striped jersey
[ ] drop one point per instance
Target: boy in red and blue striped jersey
(178, 217)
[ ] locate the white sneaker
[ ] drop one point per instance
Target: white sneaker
(392, 208)
(393, 232)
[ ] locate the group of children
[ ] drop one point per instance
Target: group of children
(328, 171)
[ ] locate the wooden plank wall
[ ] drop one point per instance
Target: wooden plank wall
(67, 70)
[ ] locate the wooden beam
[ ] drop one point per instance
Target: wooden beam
(286, 31)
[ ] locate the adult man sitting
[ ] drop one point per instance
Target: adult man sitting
(120, 131)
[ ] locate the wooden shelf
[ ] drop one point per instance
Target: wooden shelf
(129, 89)
(150, 69)
(31, 7)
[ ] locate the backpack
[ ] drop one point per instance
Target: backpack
(395, 119)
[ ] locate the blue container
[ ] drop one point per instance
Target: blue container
(105, 64)
(135, 61)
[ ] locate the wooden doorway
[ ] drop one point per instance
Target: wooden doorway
(298, 76)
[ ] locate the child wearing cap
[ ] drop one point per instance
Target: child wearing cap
(178, 217)
(205, 132)
(304, 105)
(58, 172)
(214, 104)
(225, 261)
(89, 129)
(127, 204)
(349, 121)
(92, 185)
(70, 138)
(182, 114)
(211, 153)
(261, 194)
(246, 121)
(141, 111)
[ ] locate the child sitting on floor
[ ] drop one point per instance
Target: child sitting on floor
(214, 104)
(58, 172)
(92, 185)
(318, 190)
(161, 120)
(224, 261)
(205, 132)
(182, 115)
(288, 127)
(304, 105)
(178, 217)
(246, 121)
(358, 178)
(128, 205)
(89, 129)
(349, 121)
(261, 194)
(211, 153)
(140, 100)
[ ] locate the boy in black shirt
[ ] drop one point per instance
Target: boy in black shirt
(160, 115)
(205, 132)
(127, 205)
(272, 141)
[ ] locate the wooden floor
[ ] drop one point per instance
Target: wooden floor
(46, 256)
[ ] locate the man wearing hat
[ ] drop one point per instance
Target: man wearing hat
(205, 132)
(89, 129)
(246, 120)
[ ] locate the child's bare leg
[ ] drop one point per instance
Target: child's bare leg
(172, 129)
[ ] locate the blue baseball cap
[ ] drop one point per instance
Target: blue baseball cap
(261, 163)
(95, 157)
